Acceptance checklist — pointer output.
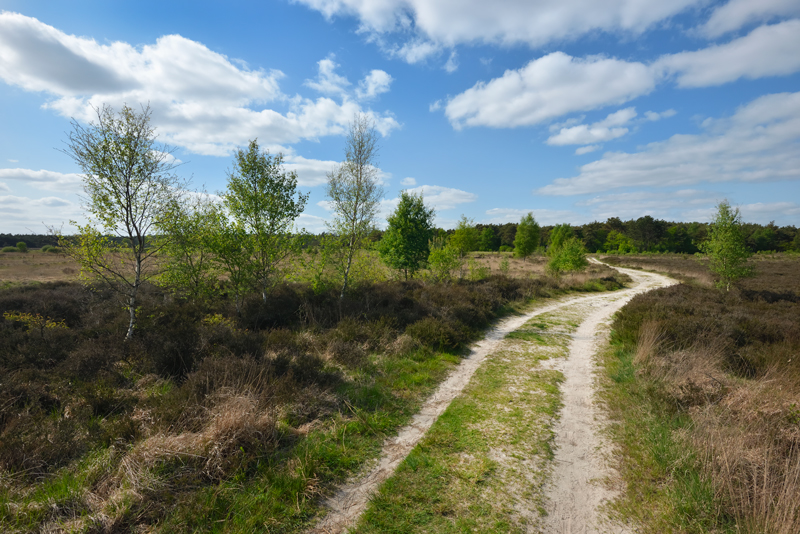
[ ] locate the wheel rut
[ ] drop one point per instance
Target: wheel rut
(577, 463)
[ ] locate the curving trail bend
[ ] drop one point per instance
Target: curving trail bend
(573, 493)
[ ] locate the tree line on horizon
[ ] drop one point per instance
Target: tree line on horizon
(645, 234)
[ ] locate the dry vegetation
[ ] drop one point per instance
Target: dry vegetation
(36, 266)
(209, 421)
(719, 372)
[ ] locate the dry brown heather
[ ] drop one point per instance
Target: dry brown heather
(731, 362)
(36, 266)
(207, 417)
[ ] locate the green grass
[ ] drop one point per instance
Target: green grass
(665, 491)
(481, 466)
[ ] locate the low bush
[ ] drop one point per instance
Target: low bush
(10, 249)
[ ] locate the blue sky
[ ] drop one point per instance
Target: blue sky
(577, 110)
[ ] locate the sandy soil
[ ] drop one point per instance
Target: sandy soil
(576, 489)
(568, 511)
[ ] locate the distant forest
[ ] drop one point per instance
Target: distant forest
(644, 234)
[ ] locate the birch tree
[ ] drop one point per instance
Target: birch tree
(725, 246)
(129, 189)
(354, 192)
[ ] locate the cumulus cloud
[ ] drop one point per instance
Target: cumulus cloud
(737, 13)
(764, 212)
(549, 87)
(758, 143)
(408, 182)
(683, 204)
(605, 130)
(443, 198)
(558, 84)
(310, 172)
(43, 179)
(766, 51)
(201, 100)
(327, 81)
(425, 26)
(375, 83)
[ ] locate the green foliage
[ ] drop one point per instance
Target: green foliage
(10, 249)
(404, 245)
(465, 238)
(558, 236)
(571, 256)
(506, 248)
(129, 191)
(504, 266)
(726, 247)
(527, 239)
(263, 202)
(443, 260)
(22, 247)
(190, 268)
(488, 240)
(618, 242)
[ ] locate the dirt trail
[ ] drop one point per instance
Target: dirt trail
(576, 490)
(350, 500)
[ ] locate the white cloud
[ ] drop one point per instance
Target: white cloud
(436, 106)
(766, 51)
(375, 83)
(310, 172)
(549, 87)
(684, 204)
(655, 116)
(4, 187)
(328, 82)
(452, 63)
(44, 180)
(13, 161)
(586, 149)
(605, 130)
(24, 214)
(443, 198)
(759, 143)
(544, 217)
(764, 212)
(558, 84)
(429, 25)
(737, 13)
(201, 100)
(311, 223)
(408, 182)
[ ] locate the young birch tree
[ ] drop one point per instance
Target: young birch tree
(725, 246)
(263, 202)
(354, 192)
(129, 190)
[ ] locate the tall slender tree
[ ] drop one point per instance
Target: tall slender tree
(129, 191)
(354, 192)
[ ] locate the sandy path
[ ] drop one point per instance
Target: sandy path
(350, 500)
(576, 489)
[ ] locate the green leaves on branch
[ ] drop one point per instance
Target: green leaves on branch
(527, 238)
(405, 244)
(263, 203)
(726, 248)
(566, 252)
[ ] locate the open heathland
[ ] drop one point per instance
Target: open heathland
(705, 387)
(211, 421)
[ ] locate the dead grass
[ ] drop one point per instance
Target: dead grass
(36, 266)
(729, 362)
